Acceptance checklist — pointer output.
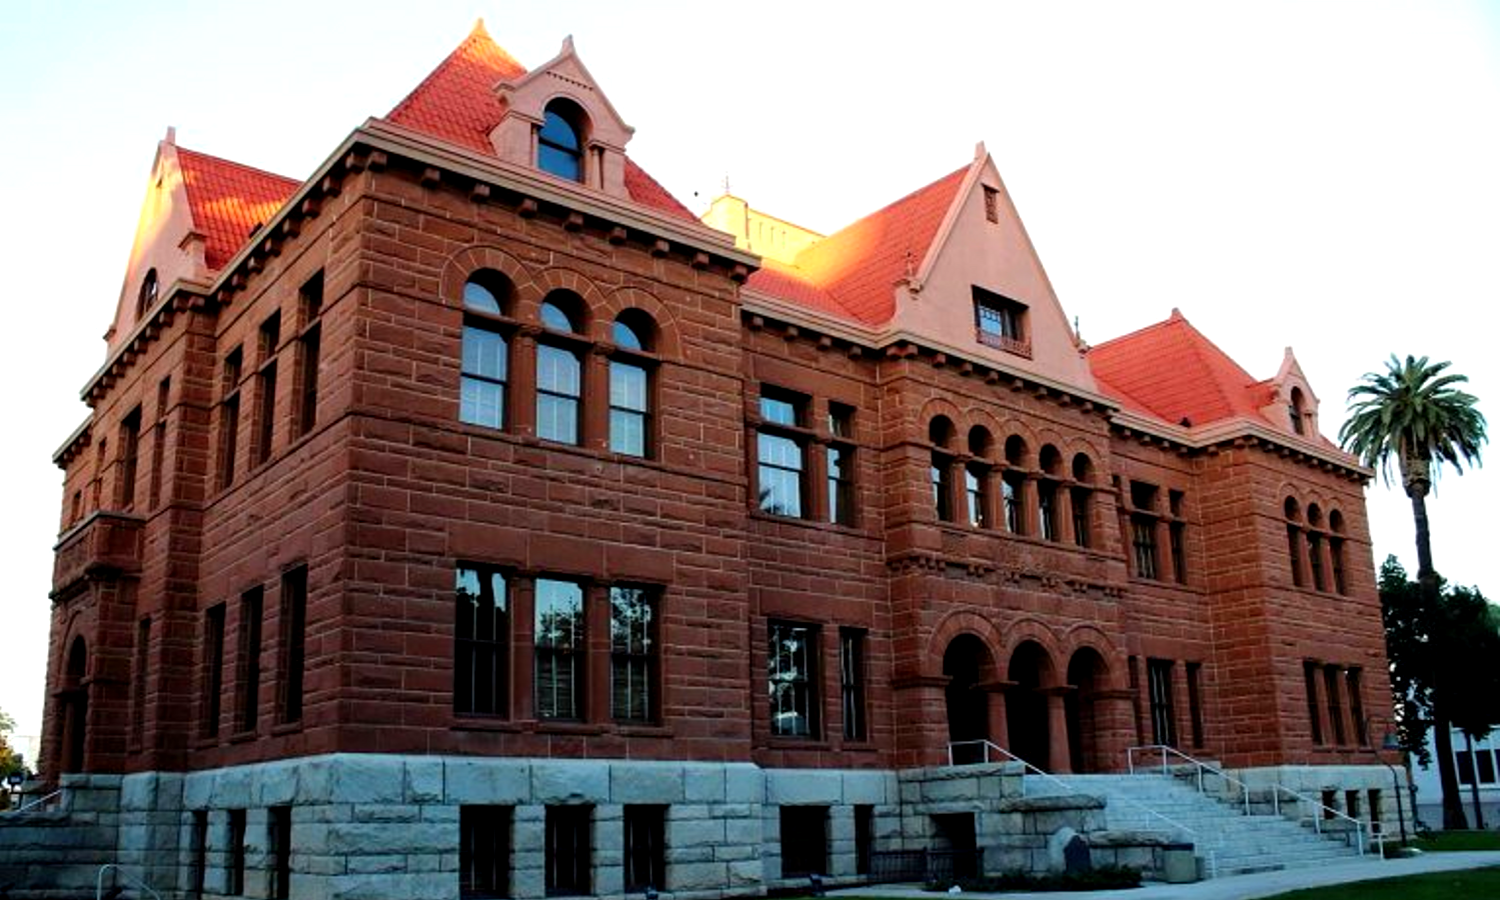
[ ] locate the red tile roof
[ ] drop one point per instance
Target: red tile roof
(853, 271)
(228, 201)
(1172, 372)
(457, 103)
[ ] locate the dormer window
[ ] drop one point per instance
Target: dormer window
(560, 143)
(1296, 411)
(1001, 323)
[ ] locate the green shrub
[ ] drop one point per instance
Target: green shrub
(1099, 878)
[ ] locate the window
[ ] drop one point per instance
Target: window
(483, 851)
(1352, 678)
(309, 351)
(229, 416)
(942, 487)
(1294, 551)
(1296, 413)
(1000, 323)
(569, 852)
(1310, 682)
(1179, 552)
(145, 299)
(559, 649)
(247, 677)
(559, 375)
(213, 668)
(1485, 764)
(559, 147)
(840, 464)
(864, 838)
(1081, 535)
(1351, 803)
(138, 682)
(1159, 685)
(633, 654)
(199, 850)
(1143, 544)
(852, 682)
(279, 835)
(976, 477)
(293, 656)
(130, 439)
(486, 353)
(269, 340)
(645, 848)
(1195, 701)
(159, 441)
(1012, 486)
(1046, 504)
(780, 456)
(481, 640)
(100, 457)
(235, 876)
(630, 388)
(790, 661)
(991, 204)
(804, 841)
(1465, 764)
(1336, 556)
(1315, 559)
(1335, 709)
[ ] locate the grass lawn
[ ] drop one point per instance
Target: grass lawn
(1473, 883)
(1439, 841)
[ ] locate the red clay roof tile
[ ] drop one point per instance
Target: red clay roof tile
(228, 201)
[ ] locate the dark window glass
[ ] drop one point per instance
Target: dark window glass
(645, 848)
(159, 441)
(213, 665)
(483, 851)
(1486, 766)
(975, 479)
(629, 408)
(1195, 701)
(266, 413)
(293, 656)
(199, 849)
(1179, 552)
(1046, 504)
(1314, 718)
(279, 833)
(1294, 552)
(1335, 708)
(481, 640)
(841, 485)
(559, 387)
(1143, 545)
(130, 439)
(1336, 553)
(852, 682)
(558, 148)
(633, 654)
(229, 417)
(569, 853)
(482, 388)
(146, 298)
(804, 841)
(864, 838)
(1352, 679)
(308, 360)
(790, 661)
(559, 649)
(1012, 486)
(1081, 535)
(1315, 559)
(236, 868)
(247, 676)
(942, 487)
(1163, 718)
(1465, 761)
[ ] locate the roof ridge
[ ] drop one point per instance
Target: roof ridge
(478, 36)
(239, 165)
(909, 196)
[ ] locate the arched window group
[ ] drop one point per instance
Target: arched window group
(1317, 544)
(560, 378)
(1050, 501)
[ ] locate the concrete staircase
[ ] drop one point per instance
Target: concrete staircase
(1227, 840)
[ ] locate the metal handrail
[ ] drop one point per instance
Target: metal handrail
(1276, 789)
(38, 801)
(1213, 867)
(140, 883)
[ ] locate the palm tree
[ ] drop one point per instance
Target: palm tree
(1415, 413)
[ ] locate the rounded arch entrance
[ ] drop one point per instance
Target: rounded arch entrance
(968, 665)
(1087, 675)
(75, 706)
(1030, 674)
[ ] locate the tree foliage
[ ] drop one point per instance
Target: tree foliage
(10, 761)
(1443, 658)
(1416, 414)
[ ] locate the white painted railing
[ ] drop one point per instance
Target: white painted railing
(1198, 842)
(117, 890)
(1361, 838)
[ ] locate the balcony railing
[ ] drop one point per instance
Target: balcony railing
(105, 542)
(1004, 342)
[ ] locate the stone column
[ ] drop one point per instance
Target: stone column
(1162, 537)
(1063, 504)
(608, 876)
(520, 394)
(999, 725)
(597, 619)
(1058, 761)
(523, 643)
(815, 480)
(1114, 727)
(593, 416)
(528, 851)
(993, 498)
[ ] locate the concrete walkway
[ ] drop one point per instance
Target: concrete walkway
(1241, 887)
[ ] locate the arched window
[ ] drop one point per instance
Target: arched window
(1336, 551)
(1296, 412)
(1293, 511)
(1083, 474)
(630, 385)
(147, 296)
(486, 350)
(559, 371)
(560, 142)
(940, 434)
(977, 477)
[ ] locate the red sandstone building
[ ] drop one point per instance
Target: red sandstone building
(476, 481)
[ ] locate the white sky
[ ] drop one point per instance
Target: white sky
(1320, 174)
